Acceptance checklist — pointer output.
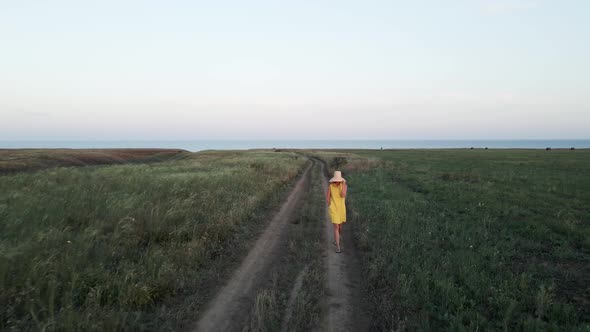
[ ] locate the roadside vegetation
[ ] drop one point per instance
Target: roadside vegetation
(469, 240)
(131, 247)
(19, 160)
(292, 299)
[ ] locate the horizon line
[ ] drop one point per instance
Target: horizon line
(291, 139)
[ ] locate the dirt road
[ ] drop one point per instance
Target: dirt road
(231, 306)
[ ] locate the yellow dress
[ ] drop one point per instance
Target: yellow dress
(337, 207)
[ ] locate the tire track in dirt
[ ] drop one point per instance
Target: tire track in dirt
(230, 308)
(346, 307)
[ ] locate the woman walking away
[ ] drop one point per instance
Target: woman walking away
(337, 208)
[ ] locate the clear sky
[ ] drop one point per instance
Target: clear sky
(138, 69)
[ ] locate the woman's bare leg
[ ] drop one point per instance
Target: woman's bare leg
(337, 236)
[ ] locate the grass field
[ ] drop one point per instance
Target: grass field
(133, 247)
(19, 160)
(462, 240)
(472, 240)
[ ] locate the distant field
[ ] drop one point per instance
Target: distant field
(131, 247)
(469, 240)
(18, 160)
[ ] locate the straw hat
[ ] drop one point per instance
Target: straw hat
(337, 177)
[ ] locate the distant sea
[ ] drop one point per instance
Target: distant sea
(199, 145)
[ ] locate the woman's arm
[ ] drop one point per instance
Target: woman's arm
(344, 189)
(328, 195)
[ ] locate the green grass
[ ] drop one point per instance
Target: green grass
(469, 240)
(130, 247)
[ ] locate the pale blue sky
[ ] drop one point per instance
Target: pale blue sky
(471, 69)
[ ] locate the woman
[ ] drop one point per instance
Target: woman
(335, 198)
